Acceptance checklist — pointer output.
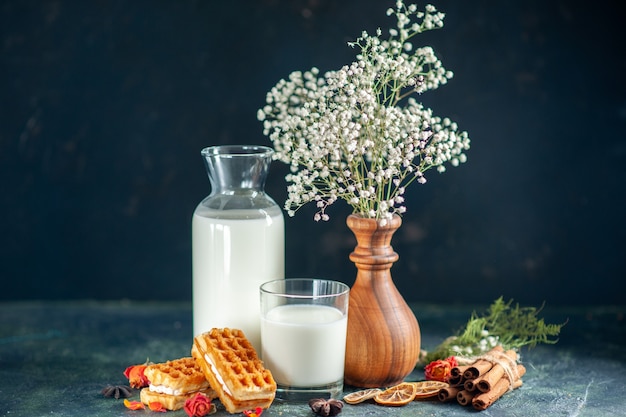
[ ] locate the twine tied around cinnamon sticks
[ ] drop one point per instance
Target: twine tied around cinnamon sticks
(484, 379)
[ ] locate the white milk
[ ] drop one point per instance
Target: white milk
(304, 345)
(231, 259)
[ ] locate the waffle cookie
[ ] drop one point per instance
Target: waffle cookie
(234, 370)
(173, 382)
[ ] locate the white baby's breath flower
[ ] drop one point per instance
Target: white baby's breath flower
(358, 134)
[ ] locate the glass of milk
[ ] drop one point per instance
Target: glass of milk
(303, 336)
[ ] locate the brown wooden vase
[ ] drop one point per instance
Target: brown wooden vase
(383, 343)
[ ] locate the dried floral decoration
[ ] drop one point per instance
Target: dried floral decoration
(439, 370)
(134, 405)
(253, 413)
(157, 406)
(117, 391)
(199, 405)
(325, 408)
(135, 375)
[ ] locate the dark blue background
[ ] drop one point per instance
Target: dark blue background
(105, 106)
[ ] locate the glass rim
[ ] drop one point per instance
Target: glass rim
(237, 150)
(345, 289)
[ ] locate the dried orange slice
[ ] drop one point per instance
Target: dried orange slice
(426, 389)
(360, 396)
(397, 395)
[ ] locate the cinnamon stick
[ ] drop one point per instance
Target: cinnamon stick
(469, 385)
(481, 366)
(458, 371)
(489, 379)
(448, 393)
(464, 397)
(483, 400)
(456, 380)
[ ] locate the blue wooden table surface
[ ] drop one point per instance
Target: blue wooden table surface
(55, 358)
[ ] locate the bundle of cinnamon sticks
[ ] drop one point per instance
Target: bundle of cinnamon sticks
(484, 381)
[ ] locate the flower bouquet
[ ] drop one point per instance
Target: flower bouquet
(359, 134)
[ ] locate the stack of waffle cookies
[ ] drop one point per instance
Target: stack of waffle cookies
(234, 370)
(173, 382)
(223, 365)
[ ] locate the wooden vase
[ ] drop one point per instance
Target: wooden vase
(383, 341)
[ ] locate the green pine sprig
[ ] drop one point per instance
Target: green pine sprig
(503, 324)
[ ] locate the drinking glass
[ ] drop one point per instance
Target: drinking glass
(303, 336)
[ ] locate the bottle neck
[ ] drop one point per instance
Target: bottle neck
(237, 170)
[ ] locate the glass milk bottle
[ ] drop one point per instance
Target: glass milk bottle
(238, 241)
